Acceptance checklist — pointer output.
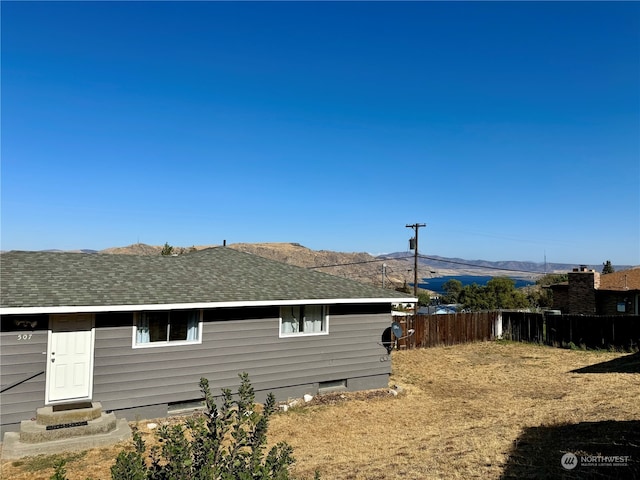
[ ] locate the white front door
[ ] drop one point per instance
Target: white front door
(70, 358)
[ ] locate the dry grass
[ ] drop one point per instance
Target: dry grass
(483, 410)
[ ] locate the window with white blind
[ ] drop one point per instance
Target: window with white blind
(303, 320)
(167, 327)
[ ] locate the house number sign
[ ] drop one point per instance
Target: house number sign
(24, 325)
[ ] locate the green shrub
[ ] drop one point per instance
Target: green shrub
(60, 472)
(131, 465)
(226, 443)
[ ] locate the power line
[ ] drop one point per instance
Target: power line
(351, 263)
(396, 284)
(426, 257)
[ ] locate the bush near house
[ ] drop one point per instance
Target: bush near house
(226, 443)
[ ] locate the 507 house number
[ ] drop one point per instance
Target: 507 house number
(25, 336)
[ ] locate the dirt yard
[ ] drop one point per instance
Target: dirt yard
(482, 410)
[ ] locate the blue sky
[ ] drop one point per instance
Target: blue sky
(511, 129)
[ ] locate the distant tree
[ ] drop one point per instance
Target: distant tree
(452, 288)
(424, 298)
(498, 293)
(607, 267)
(539, 297)
(504, 294)
(167, 249)
(473, 297)
(404, 288)
(552, 279)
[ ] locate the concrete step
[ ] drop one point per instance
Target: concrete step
(34, 432)
(13, 448)
(69, 413)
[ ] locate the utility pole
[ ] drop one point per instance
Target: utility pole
(413, 245)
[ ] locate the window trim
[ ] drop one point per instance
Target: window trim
(166, 343)
(325, 315)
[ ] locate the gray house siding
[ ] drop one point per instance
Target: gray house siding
(126, 378)
(146, 382)
(23, 375)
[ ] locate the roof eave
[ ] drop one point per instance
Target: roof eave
(62, 309)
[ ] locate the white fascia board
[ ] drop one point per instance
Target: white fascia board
(192, 306)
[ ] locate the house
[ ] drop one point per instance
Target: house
(437, 310)
(136, 333)
(587, 292)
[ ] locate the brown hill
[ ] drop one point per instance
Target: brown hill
(356, 266)
(135, 249)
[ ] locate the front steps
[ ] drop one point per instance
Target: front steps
(65, 428)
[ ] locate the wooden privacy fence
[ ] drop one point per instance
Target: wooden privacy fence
(449, 329)
(590, 331)
(523, 327)
(619, 331)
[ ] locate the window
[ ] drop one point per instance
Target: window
(168, 327)
(303, 320)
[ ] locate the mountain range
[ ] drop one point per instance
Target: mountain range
(391, 270)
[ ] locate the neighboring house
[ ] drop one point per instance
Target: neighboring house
(136, 333)
(587, 292)
(437, 310)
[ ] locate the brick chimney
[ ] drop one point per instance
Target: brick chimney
(583, 284)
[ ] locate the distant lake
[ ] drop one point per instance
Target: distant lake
(435, 284)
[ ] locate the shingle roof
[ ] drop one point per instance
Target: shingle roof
(622, 280)
(52, 279)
